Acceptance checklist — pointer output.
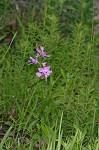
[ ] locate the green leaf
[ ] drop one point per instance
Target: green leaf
(2, 37)
(4, 138)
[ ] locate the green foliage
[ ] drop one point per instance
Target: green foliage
(71, 87)
(34, 106)
(4, 138)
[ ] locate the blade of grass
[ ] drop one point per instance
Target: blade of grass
(4, 138)
(9, 47)
(60, 134)
(2, 37)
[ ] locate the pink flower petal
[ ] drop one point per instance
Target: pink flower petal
(40, 75)
(41, 69)
(46, 68)
(41, 52)
(32, 60)
(44, 64)
(42, 48)
(38, 50)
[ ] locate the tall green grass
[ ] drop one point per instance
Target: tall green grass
(62, 112)
(71, 88)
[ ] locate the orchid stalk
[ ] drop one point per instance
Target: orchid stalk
(45, 71)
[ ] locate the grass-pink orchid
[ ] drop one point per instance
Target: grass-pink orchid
(42, 52)
(44, 72)
(32, 60)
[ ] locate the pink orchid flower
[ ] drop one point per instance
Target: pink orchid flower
(44, 72)
(42, 52)
(32, 60)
